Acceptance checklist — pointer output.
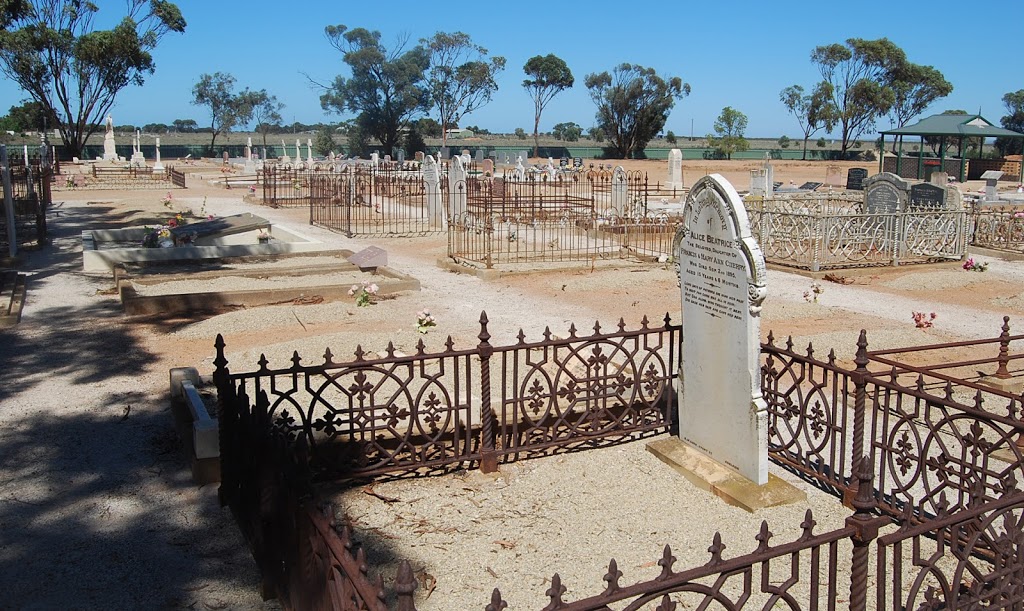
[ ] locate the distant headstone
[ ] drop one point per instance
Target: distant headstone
(722, 279)
(577, 163)
(479, 155)
(432, 187)
(498, 189)
(374, 158)
(387, 158)
(444, 152)
(769, 171)
(991, 178)
(939, 178)
(457, 186)
(855, 179)
(225, 157)
(759, 185)
(809, 186)
(401, 155)
(954, 198)
(675, 170)
(834, 176)
(525, 155)
(620, 190)
(925, 196)
(369, 258)
(419, 155)
(488, 167)
(563, 162)
(466, 153)
(885, 193)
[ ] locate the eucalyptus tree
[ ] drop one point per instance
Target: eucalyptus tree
(633, 104)
(549, 76)
(387, 86)
(53, 50)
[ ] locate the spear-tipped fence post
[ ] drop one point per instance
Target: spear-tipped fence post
(859, 378)
(488, 426)
(1002, 371)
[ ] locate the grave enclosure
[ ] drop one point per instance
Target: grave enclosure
(892, 445)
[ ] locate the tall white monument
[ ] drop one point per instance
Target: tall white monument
(675, 170)
(432, 186)
(109, 148)
(722, 278)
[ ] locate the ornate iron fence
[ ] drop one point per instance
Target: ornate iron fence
(428, 411)
(1001, 228)
(912, 453)
(833, 231)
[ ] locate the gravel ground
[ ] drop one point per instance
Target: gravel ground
(97, 508)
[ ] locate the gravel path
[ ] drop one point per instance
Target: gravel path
(97, 508)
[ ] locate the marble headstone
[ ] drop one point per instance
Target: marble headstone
(834, 176)
(675, 170)
(432, 186)
(722, 278)
(620, 189)
(457, 186)
(885, 193)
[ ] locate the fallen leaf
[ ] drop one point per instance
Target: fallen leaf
(387, 499)
(505, 544)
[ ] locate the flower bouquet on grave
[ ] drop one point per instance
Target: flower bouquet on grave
(363, 292)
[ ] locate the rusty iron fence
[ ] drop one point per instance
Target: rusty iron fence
(899, 451)
(305, 561)
(126, 177)
(31, 197)
(427, 411)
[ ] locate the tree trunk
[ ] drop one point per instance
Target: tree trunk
(806, 138)
(536, 134)
(212, 142)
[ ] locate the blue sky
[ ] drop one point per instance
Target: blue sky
(732, 53)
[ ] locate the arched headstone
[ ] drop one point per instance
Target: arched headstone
(722, 279)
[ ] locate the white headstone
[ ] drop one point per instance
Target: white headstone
(432, 184)
(675, 170)
(722, 278)
(374, 158)
(457, 187)
(298, 152)
(309, 151)
(520, 171)
(620, 190)
(158, 166)
(758, 183)
(284, 153)
(991, 178)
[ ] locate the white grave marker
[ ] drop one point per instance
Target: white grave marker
(722, 278)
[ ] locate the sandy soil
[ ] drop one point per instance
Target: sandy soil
(96, 506)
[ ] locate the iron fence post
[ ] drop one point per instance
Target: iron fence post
(866, 526)
(488, 456)
(859, 378)
(1002, 371)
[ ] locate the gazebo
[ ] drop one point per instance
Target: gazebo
(946, 126)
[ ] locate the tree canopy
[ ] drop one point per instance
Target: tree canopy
(549, 75)
(813, 112)
(386, 89)
(914, 89)
(730, 127)
(1014, 102)
(226, 108)
(53, 51)
(857, 77)
(265, 110)
(633, 104)
(460, 78)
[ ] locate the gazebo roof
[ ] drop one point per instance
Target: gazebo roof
(954, 125)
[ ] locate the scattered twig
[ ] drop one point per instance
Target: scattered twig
(127, 410)
(297, 320)
(491, 572)
(505, 544)
(837, 279)
(387, 499)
